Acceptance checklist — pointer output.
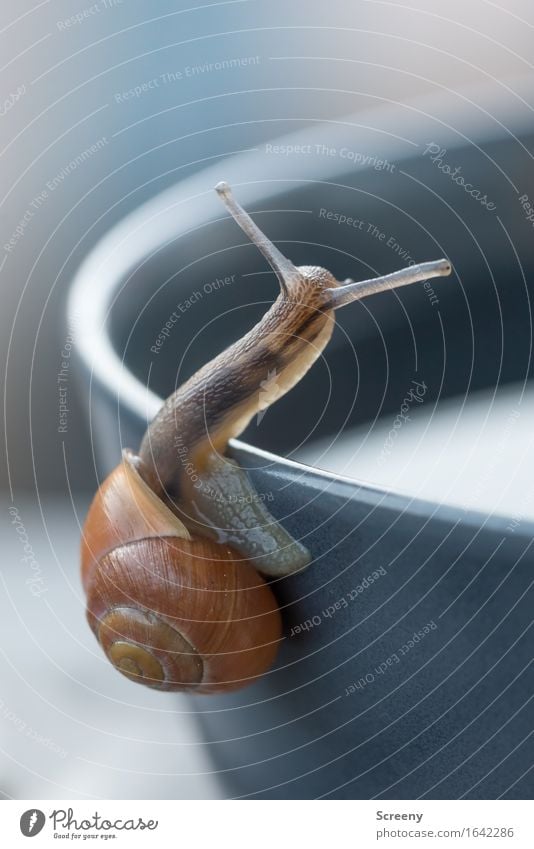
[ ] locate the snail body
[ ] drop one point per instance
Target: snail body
(176, 538)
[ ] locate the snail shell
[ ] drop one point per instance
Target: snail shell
(170, 611)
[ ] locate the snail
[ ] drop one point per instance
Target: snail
(177, 548)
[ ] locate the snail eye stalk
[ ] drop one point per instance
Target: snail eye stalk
(353, 291)
(284, 269)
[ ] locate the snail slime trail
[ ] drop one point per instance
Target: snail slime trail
(177, 546)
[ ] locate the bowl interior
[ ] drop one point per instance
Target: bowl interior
(200, 292)
(311, 727)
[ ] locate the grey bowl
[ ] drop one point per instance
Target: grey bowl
(405, 669)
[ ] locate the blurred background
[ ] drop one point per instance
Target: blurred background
(103, 106)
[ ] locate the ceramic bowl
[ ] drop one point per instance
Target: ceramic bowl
(404, 669)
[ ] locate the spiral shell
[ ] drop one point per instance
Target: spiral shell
(171, 612)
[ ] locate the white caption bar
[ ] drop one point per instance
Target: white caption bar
(268, 824)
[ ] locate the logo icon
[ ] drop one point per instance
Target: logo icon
(32, 822)
(269, 392)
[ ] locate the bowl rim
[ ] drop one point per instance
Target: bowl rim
(151, 227)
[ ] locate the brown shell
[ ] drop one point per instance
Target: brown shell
(124, 509)
(172, 612)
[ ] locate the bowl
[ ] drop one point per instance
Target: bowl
(404, 669)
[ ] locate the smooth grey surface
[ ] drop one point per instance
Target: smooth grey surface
(433, 722)
(450, 717)
(70, 727)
